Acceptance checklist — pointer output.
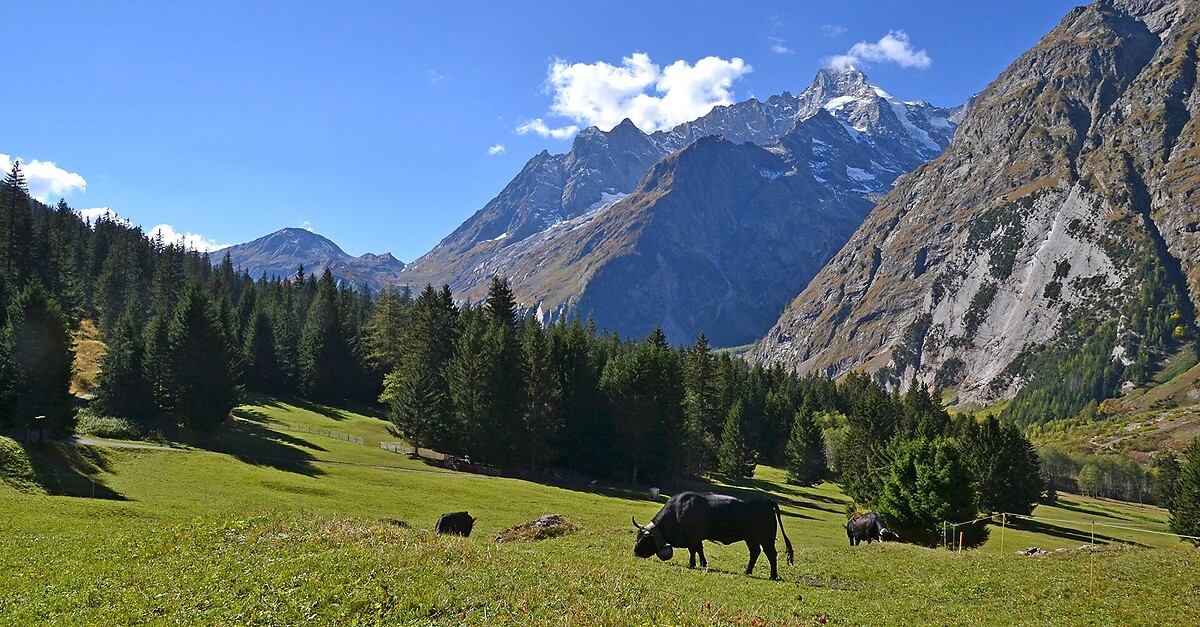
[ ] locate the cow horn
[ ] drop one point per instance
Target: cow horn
(635, 522)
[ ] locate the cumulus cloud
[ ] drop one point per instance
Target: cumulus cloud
(498, 149)
(45, 179)
(190, 241)
(653, 97)
(538, 126)
(894, 47)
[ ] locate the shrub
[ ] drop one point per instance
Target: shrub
(107, 427)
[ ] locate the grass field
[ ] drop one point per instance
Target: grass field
(268, 523)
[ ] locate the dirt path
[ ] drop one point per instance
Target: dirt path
(111, 443)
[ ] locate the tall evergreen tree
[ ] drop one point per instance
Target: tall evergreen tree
(417, 392)
(16, 228)
(384, 331)
(203, 389)
(542, 397)
(158, 359)
(806, 450)
(1004, 465)
(124, 389)
(926, 484)
(41, 358)
(1185, 507)
(469, 375)
(734, 458)
(262, 372)
(324, 351)
(702, 407)
(1166, 477)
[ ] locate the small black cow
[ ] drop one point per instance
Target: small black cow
(867, 527)
(455, 523)
(689, 518)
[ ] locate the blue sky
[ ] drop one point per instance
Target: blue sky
(384, 125)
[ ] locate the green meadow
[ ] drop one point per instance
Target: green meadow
(270, 523)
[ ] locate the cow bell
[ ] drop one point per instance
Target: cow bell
(665, 553)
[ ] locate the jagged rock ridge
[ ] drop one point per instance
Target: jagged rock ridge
(1060, 220)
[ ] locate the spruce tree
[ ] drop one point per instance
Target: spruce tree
(469, 375)
(260, 362)
(124, 389)
(927, 484)
(806, 450)
(1166, 477)
(416, 392)
(702, 407)
(41, 358)
(1004, 465)
(202, 387)
(16, 228)
(324, 352)
(1185, 507)
(734, 458)
(542, 397)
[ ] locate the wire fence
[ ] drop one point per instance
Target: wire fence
(950, 529)
(396, 448)
(345, 437)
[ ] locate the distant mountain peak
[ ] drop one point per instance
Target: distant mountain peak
(281, 253)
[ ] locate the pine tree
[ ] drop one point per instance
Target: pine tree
(542, 397)
(927, 484)
(1004, 465)
(262, 372)
(1166, 477)
(41, 358)
(806, 450)
(469, 374)
(384, 331)
(702, 407)
(124, 389)
(734, 458)
(324, 351)
(16, 228)
(1185, 508)
(203, 389)
(416, 392)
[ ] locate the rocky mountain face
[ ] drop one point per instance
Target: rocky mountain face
(281, 253)
(1052, 252)
(632, 229)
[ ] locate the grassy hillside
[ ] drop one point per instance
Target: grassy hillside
(267, 524)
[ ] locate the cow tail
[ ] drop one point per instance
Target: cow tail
(786, 541)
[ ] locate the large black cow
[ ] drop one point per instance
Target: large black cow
(455, 523)
(867, 527)
(690, 518)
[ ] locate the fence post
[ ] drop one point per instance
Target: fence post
(1003, 525)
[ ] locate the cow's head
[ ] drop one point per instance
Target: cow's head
(650, 542)
(888, 533)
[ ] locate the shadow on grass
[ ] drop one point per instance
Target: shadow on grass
(1091, 510)
(69, 470)
(264, 422)
(1067, 533)
(333, 413)
(251, 442)
(760, 489)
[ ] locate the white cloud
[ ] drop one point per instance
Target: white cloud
(539, 127)
(778, 47)
(45, 179)
(894, 47)
(833, 30)
(498, 149)
(653, 97)
(93, 214)
(190, 241)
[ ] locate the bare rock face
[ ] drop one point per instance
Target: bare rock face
(667, 230)
(1063, 208)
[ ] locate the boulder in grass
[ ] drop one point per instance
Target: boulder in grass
(548, 526)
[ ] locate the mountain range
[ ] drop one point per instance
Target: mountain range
(708, 227)
(282, 253)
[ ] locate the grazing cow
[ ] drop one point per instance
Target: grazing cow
(689, 518)
(455, 523)
(867, 527)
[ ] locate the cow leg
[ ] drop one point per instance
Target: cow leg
(769, 551)
(692, 562)
(700, 549)
(754, 550)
